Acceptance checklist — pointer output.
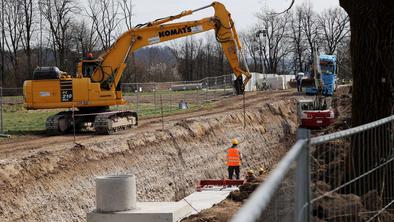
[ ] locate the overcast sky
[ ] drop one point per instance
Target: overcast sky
(243, 11)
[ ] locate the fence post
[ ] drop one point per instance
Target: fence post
(198, 97)
(1, 110)
(154, 95)
(224, 83)
(162, 114)
(206, 91)
(170, 100)
(138, 99)
(302, 180)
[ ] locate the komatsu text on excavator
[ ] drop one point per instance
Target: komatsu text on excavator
(96, 85)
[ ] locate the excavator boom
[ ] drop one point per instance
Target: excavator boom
(158, 31)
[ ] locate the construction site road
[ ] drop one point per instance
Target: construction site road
(24, 145)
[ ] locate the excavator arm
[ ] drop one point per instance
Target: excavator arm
(111, 64)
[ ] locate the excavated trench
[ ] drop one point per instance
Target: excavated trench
(58, 184)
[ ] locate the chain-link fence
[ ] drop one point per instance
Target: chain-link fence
(11, 96)
(353, 174)
(147, 99)
(345, 176)
(153, 98)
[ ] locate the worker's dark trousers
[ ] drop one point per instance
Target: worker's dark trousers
(299, 88)
(231, 170)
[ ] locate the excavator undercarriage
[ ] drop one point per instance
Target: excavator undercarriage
(102, 121)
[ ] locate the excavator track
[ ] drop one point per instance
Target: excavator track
(112, 122)
(104, 122)
(59, 123)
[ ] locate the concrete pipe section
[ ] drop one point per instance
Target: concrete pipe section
(115, 193)
(116, 202)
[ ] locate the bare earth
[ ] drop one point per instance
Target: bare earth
(52, 179)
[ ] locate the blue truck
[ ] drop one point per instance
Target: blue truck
(328, 66)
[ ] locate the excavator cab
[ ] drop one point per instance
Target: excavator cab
(86, 68)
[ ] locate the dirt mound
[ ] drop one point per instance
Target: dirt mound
(244, 191)
(56, 183)
(226, 209)
(221, 212)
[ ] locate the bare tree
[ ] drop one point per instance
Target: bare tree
(185, 53)
(85, 37)
(334, 26)
(197, 58)
(127, 12)
(27, 18)
(2, 42)
(13, 25)
(309, 25)
(298, 40)
(344, 61)
(126, 16)
(105, 18)
(208, 57)
(276, 47)
(251, 44)
(58, 14)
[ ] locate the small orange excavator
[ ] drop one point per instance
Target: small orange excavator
(315, 113)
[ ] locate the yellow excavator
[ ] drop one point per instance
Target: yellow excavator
(96, 85)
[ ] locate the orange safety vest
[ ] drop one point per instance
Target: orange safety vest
(233, 157)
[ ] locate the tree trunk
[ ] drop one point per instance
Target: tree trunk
(372, 48)
(29, 68)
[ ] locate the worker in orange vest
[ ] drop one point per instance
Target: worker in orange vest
(233, 160)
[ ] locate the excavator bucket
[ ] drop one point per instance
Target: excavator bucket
(239, 86)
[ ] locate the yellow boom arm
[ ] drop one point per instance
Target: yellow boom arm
(112, 62)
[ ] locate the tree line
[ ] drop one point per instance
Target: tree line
(283, 43)
(61, 32)
(277, 43)
(56, 33)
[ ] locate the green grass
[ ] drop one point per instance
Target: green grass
(170, 110)
(19, 121)
(166, 92)
(147, 110)
(13, 98)
(25, 122)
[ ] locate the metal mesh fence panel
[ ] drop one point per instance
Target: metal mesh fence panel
(351, 179)
(284, 195)
(147, 99)
(352, 176)
(12, 96)
(14, 118)
(282, 205)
